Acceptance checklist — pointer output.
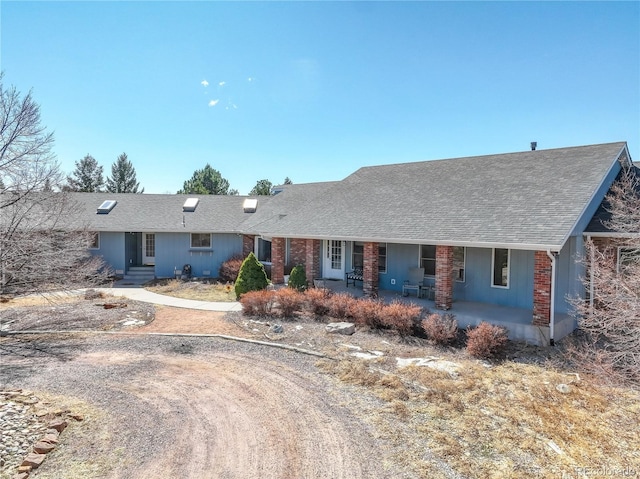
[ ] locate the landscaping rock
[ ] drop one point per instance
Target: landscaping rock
(276, 328)
(21, 475)
(563, 388)
(34, 460)
(58, 424)
(42, 447)
(341, 328)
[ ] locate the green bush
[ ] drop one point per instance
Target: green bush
(252, 276)
(298, 278)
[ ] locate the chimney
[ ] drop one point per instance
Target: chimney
(534, 144)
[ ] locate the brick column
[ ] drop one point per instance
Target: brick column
(444, 277)
(541, 289)
(297, 251)
(248, 244)
(370, 270)
(312, 260)
(277, 260)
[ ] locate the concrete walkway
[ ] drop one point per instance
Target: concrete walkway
(135, 291)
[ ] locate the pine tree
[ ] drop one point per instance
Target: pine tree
(207, 181)
(252, 276)
(87, 176)
(263, 187)
(123, 177)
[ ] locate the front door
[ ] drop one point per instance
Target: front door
(333, 259)
(148, 248)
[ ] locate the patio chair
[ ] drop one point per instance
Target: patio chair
(414, 283)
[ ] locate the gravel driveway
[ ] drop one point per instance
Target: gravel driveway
(166, 406)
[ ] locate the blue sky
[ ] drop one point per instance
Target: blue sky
(315, 90)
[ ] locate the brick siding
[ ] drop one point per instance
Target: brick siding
(312, 259)
(248, 242)
(277, 260)
(370, 270)
(444, 277)
(541, 289)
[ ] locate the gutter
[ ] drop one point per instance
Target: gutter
(552, 306)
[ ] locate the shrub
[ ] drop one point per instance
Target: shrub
(289, 300)
(400, 316)
(486, 340)
(366, 312)
(230, 268)
(341, 305)
(251, 277)
(257, 303)
(298, 278)
(441, 328)
(318, 300)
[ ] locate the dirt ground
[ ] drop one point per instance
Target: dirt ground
(181, 406)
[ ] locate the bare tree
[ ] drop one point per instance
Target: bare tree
(43, 246)
(611, 315)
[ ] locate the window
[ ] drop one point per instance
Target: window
(626, 258)
(428, 259)
(357, 257)
(201, 240)
(264, 250)
(382, 258)
(94, 240)
(459, 256)
(500, 268)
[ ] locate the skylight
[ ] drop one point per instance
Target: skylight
(250, 205)
(106, 206)
(190, 204)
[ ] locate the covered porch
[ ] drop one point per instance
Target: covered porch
(470, 313)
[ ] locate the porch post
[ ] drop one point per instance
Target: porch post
(248, 244)
(312, 263)
(541, 289)
(370, 270)
(277, 260)
(444, 277)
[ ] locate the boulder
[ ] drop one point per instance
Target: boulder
(341, 328)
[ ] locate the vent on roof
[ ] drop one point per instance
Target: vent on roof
(190, 204)
(250, 205)
(106, 206)
(534, 145)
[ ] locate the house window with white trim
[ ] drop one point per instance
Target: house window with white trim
(94, 240)
(428, 259)
(382, 258)
(201, 240)
(459, 257)
(500, 267)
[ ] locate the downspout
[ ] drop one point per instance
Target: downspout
(552, 306)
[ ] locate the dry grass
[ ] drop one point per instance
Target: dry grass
(200, 291)
(505, 421)
(38, 300)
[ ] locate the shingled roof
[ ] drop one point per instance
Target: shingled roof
(164, 213)
(528, 200)
(602, 215)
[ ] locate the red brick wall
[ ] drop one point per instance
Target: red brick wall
(541, 289)
(312, 260)
(297, 252)
(248, 242)
(370, 270)
(277, 260)
(444, 277)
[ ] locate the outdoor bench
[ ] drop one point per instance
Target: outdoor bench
(353, 276)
